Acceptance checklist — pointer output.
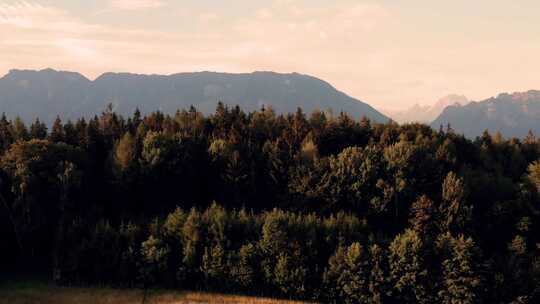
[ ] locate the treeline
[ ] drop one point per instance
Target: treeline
(319, 206)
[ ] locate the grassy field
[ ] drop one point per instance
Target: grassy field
(39, 293)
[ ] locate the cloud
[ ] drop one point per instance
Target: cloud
(264, 13)
(208, 17)
(29, 15)
(283, 36)
(133, 5)
(289, 26)
(365, 49)
(278, 30)
(38, 36)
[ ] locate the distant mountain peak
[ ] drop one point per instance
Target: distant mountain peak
(450, 100)
(427, 113)
(511, 114)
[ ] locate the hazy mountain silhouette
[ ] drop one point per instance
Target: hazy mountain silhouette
(511, 114)
(426, 114)
(48, 93)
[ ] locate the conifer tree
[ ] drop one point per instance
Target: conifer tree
(456, 215)
(423, 218)
(245, 271)
(57, 131)
(461, 282)
(332, 279)
(38, 130)
(214, 266)
(378, 276)
(355, 276)
(20, 132)
(408, 271)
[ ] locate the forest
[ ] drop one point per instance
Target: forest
(311, 206)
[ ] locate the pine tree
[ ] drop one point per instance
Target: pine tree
(378, 276)
(214, 266)
(533, 174)
(57, 132)
(289, 276)
(456, 215)
(356, 275)
(38, 130)
(408, 271)
(20, 132)
(332, 278)
(399, 158)
(461, 281)
(245, 271)
(423, 218)
(154, 255)
(6, 133)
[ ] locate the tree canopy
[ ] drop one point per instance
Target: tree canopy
(307, 206)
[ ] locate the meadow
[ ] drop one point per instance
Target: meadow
(42, 293)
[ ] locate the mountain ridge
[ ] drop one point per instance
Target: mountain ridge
(511, 114)
(47, 92)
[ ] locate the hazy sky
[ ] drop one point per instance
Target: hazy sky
(389, 53)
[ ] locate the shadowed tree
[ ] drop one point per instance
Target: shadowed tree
(424, 216)
(533, 174)
(456, 215)
(38, 130)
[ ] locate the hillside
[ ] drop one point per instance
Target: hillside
(511, 114)
(48, 93)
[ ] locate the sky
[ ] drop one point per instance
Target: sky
(389, 53)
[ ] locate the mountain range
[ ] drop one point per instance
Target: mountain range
(426, 113)
(48, 93)
(513, 115)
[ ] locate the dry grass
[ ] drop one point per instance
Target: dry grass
(42, 294)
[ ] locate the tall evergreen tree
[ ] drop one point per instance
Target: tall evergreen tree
(461, 281)
(408, 270)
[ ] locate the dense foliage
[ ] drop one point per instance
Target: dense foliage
(315, 206)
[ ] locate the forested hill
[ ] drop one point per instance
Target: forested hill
(297, 206)
(48, 93)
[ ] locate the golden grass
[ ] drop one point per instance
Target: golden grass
(63, 295)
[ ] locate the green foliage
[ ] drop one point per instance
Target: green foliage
(533, 174)
(192, 234)
(424, 217)
(518, 246)
(245, 271)
(408, 270)
(319, 207)
(378, 277)
(461, 281)
(456, 215)
(125, 153)
(332, 275)
(355, 275)
(289, 277)
(214, 267)
(158, 149)
(154, 256)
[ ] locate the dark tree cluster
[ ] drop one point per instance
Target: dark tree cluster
(320, 207)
